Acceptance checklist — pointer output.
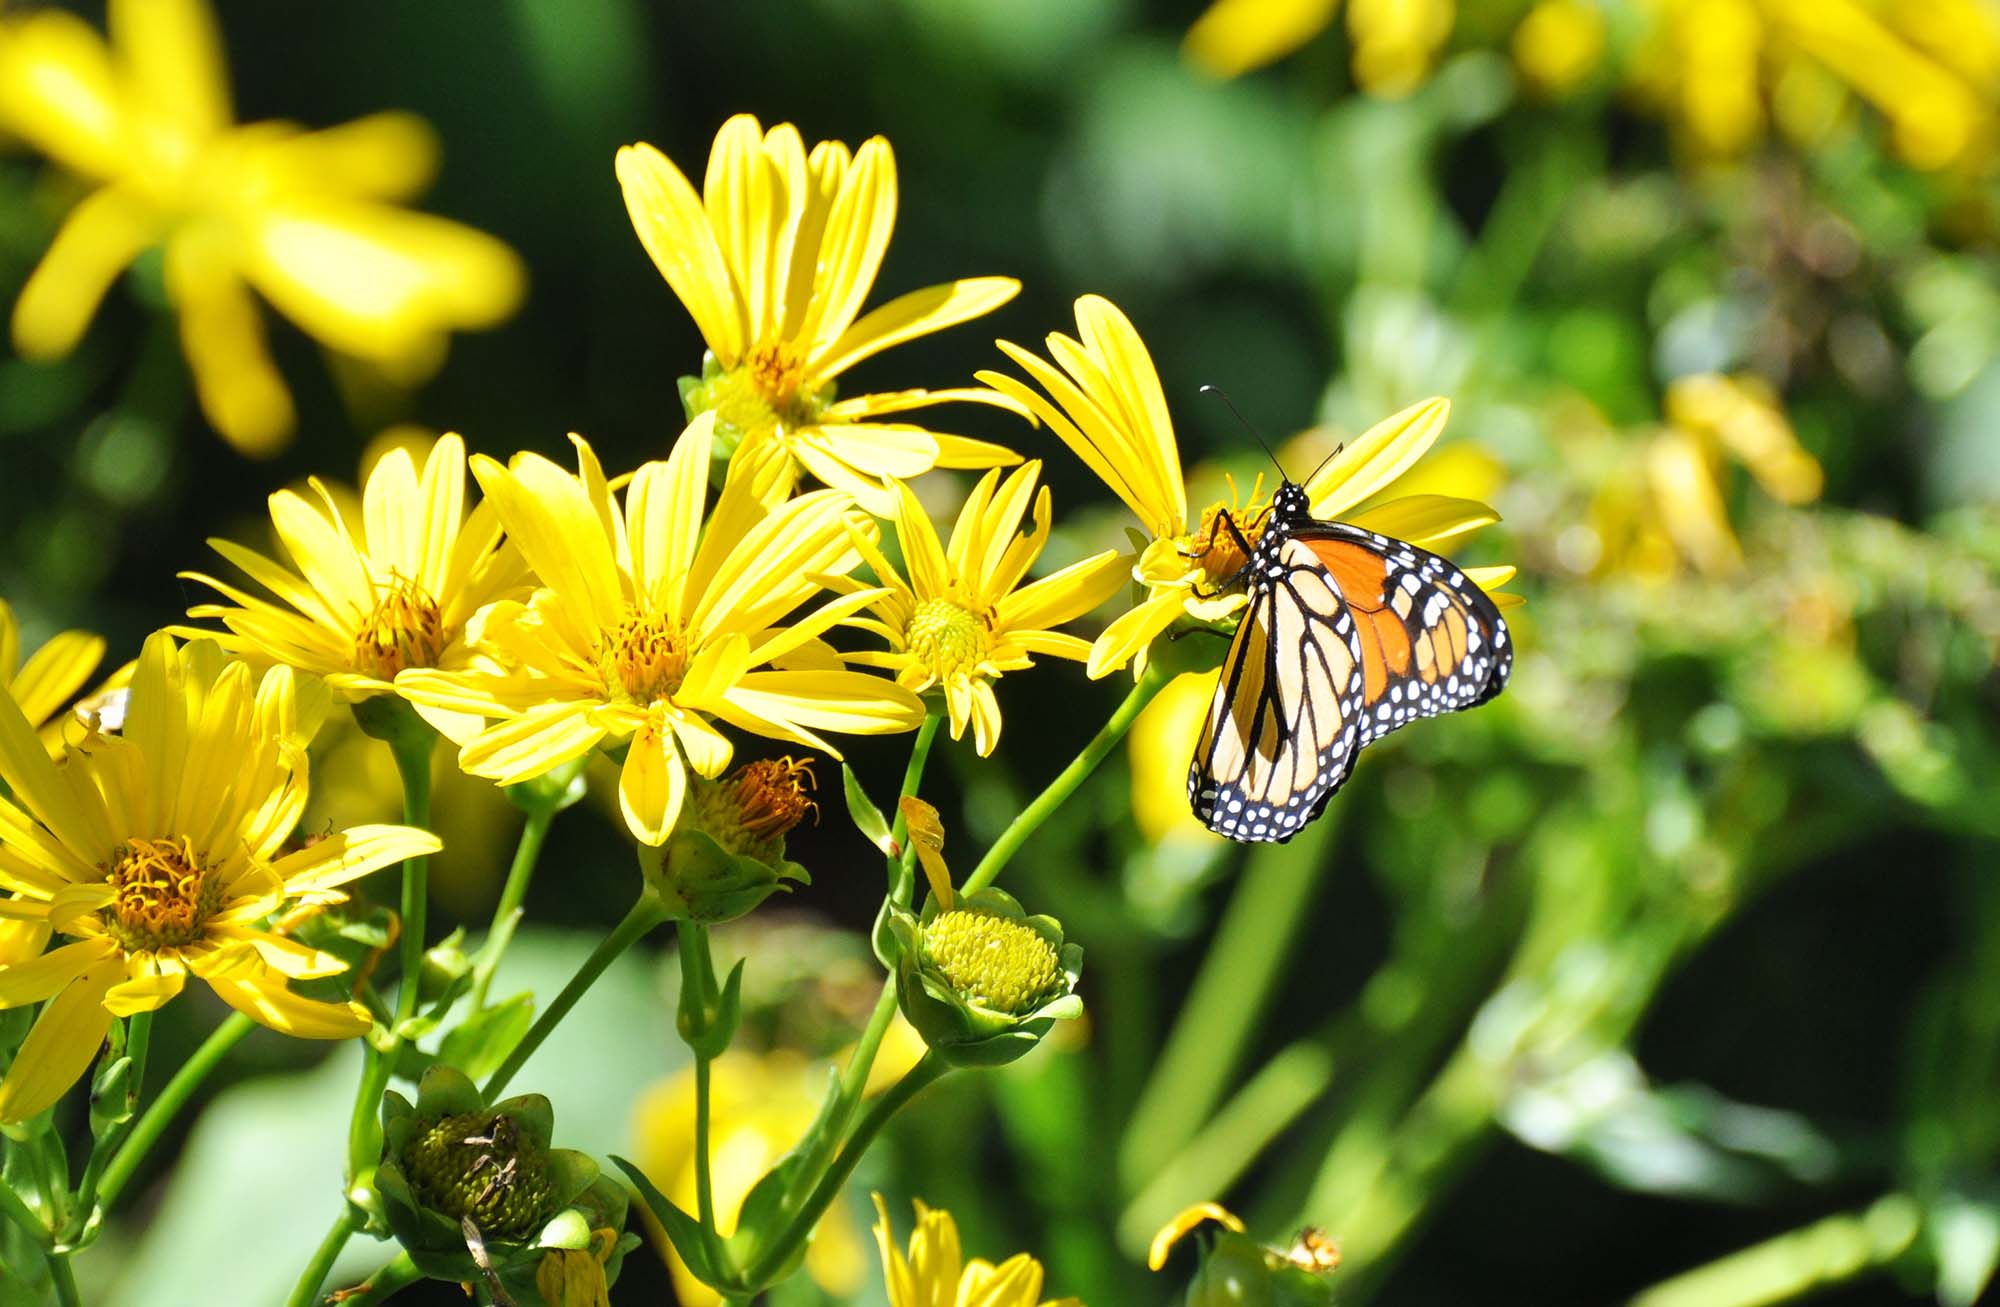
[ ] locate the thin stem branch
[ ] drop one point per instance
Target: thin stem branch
(645, 915)
(1066, 783)
(398, 1273)
(899, 828)
(14, 1209)
(306, 1292)
(507, 912)
(173, 1096)
(796, 1231)
(1829, 1251)
(697, 1000)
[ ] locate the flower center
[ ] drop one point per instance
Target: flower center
(161, 895)
(947, 639)
(771, 795)
(478, 1164)
(995, 962)
(777, 372)
(646, 657)
(405, 630)
(766, 391)
(1218, 550)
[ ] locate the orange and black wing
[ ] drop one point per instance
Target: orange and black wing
(1351, 636)
(1281, 734)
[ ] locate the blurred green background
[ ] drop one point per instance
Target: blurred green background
(1690, 941)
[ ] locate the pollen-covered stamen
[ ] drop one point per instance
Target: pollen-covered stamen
(162, 895)
(777, 371)
(646, 658)
(992, 961)
(1215, 546)
(946, 639)
(404, 630)
(770, 795)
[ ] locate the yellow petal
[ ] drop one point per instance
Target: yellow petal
(907, 317)
(45, 976)
(923, 556)
(1131, 633)
(554, 524)
(223, 338)
(1425, 520)
(850, 703)
(78, 822)
(858, 227)
(65, 1038)
(60, 94)
(96, 242)
(526, 746)
(171, 55)
(675, 230)
(148, 989)
(706, 749)
(1183, 1221)
(263, 997)
(663, 510)
(652, 783)
(356, 851)
(1234, 36)
(1375, 458)
(382, 156)
(1064, 595)
(54, 672)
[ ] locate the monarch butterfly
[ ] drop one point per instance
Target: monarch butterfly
(1348, 635)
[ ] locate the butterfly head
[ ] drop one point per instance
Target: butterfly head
(1290, 505)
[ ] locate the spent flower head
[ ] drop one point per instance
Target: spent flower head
(774, 260)
(657, 618)
(964, 618)
(364, 601)
(160, 853)
(308, 218)
(1102, 397)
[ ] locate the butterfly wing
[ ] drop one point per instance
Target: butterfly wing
(1281, 733)
(1348, 637)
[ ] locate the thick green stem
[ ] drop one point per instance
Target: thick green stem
(507, 913)
(770, 1259)
(64, 1280)
(173, 1097)
(398, 1273)
(697, 986)
(306, 1292)
(413, 760)
(645, 915)
(1064, 785)
(17, 1211)
(1830, 1251)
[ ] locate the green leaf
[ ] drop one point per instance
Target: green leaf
(480, 1043)
(689, 1239)
(867, 817)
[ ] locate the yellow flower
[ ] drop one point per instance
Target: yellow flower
(51, 674)
(760, 1105)
(1717, 67)
(936, 1274)
(959, 622)
(1159, 749)
(1558, 44)
(1105, 402)
(773, 261)
(160, 851)
(652, 618)
(307, 218)
(367, 600)
(1395, 41)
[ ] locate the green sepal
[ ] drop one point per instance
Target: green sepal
(867, 818)
(392, 719)
(696, 879)
(481, 1042)
(689, 389)
(709, 1033)
(558, 788)
(683, 1231)
(113, 1096)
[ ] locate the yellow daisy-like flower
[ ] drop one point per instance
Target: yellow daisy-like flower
(1103, 399)
(307, 218)
(653, 618)
(936, 1274)
(959, 621)
(160, 850)
(774, 260)
(1395, 41)
(365, 601)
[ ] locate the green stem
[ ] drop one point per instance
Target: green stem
(1064, 785)
(161, 1112)
(697, 995)
(306, 1292)
(396, 1274)
(1827, 1252)
(14, 1209)
(507, 913)
(645, 915)
(799, 1228)
(138, 1040)
(899, 829)
(63, 1278)
(413, 760)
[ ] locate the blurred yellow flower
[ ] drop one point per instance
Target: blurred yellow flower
(160, 850)
(760, 1105)
(936, 1274)
(1720, 68)
(652, 619)
(307, 218)
(1160, 748)
(1103, 399)
(367, 599)
(959, 621)
(1559, 44)
(774, 260)
(1396, 42)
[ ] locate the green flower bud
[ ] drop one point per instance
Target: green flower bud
(449, 1160)
(727, 853)
(983, 981)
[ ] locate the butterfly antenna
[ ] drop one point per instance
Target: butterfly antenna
(1223, 395)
